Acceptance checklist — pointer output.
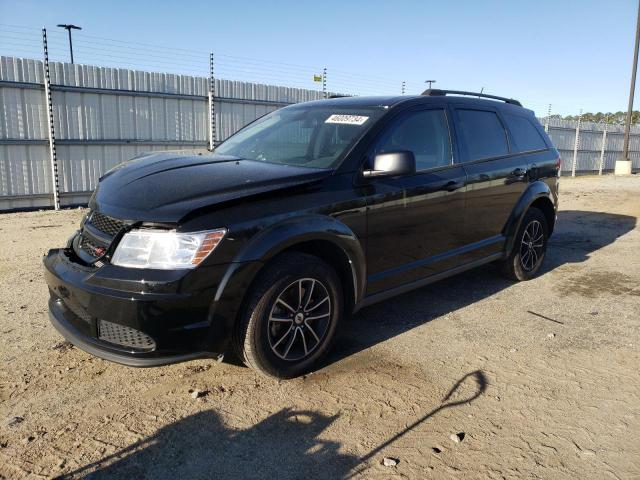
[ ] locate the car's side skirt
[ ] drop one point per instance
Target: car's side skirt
(426, 267)
(384, 295)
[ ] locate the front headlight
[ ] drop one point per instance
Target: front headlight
(165, 250)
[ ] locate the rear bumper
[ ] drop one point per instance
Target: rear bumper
(143, 318)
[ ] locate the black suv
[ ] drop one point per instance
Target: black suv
(306, 215)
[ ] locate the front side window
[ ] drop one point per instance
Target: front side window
(481, 134)
(425, 133)
(308, 136)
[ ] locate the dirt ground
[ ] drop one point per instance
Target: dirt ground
(539, 379)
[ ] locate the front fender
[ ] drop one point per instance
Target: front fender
(263, 246)
(292, 231)
(534, 191)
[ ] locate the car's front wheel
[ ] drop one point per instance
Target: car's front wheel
(290, 317)
(529, 248)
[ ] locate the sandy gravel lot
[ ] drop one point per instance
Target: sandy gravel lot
(541, 379)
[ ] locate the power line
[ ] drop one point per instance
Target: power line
(93, 49)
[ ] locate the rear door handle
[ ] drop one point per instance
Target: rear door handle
(452, 186)
(519, 172)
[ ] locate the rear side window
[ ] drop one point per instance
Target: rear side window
(524, 133)
(482, 134)
(425, 133)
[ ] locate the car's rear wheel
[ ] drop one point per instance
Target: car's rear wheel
(529, 248)
(291, 315)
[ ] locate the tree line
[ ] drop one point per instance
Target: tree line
(612, 118)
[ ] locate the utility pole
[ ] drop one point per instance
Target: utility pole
(68, 27)
(429, 82)
(623, 164)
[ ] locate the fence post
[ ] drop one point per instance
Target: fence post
(403, 85)
(604, 145)
(324, 82)
(52, 136)
(212, 112)
(575, 146)
(546, 123)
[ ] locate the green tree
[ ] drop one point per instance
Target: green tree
(610, 117)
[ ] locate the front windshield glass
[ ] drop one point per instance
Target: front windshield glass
(304, 136)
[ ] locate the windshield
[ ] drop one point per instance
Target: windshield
(304, 136)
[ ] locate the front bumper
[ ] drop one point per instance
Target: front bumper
(137, 317)
(102, 350)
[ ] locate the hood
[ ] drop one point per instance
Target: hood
(164, 187)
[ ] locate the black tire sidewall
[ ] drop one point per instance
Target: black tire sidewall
(521, 274)
(273, 283)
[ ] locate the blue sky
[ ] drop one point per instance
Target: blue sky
(572, 54)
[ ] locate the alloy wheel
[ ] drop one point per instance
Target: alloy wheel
(532, 246)
(299, 319)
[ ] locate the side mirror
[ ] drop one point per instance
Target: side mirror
(392, 164)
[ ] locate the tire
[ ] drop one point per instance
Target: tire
(290, 317)
(529, 247)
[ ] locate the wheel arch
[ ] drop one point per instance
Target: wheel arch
(335, 256)
(538, 195)
(545, 205)
(322, 236)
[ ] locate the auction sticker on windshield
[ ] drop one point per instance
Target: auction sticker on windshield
(347, 119)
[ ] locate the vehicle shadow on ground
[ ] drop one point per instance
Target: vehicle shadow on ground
(579, 233)
(200, 446)
(576, 236)
(285, 445)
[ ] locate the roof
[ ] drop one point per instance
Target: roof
(389, 101)
(372, 101)
(436, 92)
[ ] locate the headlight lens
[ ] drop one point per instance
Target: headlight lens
(165, 250)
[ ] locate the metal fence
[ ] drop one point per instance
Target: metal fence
(591, 148)
(103, 116)
(60, 131)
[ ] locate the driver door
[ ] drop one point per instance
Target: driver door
(414, 222)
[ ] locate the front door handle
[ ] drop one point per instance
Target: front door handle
(452, 186)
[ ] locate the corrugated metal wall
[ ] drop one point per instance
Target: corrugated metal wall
(103, 116)
(563, 135)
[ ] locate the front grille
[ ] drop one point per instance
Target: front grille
(94, 244)
(90, 247)
(124, 336)
(109, 225)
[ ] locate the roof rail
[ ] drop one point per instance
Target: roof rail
(434, 92)
(339, 96)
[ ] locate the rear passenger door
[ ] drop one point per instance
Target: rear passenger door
(495, 177)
